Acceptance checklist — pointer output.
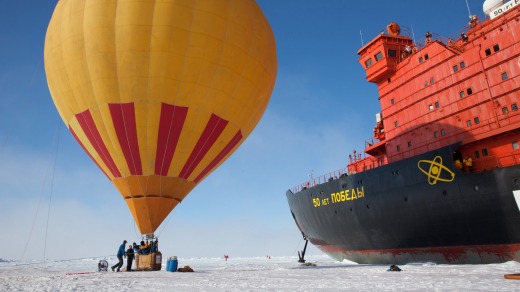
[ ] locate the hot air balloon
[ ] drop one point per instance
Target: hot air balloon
(159, 93)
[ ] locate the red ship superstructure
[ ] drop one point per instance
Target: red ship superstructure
(447, 91)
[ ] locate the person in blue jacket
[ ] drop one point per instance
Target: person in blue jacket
(120, 254)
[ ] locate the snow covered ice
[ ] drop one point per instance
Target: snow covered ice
(257, 274)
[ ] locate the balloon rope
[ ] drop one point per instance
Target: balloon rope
(17, 264)
(135, 231)
(298, 245)
(50, 197)
(165, 223)
(41, 192)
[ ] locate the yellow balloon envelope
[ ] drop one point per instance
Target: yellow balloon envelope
(159, 92)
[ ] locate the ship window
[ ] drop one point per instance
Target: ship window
(476, 120)
(409, 144)
(426, 57)
(437, 105)
(392, 101)
(392, 53)
(468, 123)
(443, 132)
(515, 145)
(496, 48)
(504, 76)
(469, 91)
(420, 59)
(488, 52)
(436, 134)
(462, 65)
(477, 154)
(461, 94)
(514, 107)
(455, 68)
(432, 80)
(431, 107)
(388, 80)
(378, 56)
(505, 110)
(484, 152)
(398, 147)
(369, 62)
(396, 124)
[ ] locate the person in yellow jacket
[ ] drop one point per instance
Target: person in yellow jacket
(144, 248)
(458, 164)
(468, 163)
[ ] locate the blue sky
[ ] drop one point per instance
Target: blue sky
(321, 109)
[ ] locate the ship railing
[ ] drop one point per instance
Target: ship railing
(367, 162)
(491, 124)
(455, 43)
(371, 141)
(511, 118)
(495, 161)
(314, 181)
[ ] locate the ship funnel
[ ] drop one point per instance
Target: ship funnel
(490, 5)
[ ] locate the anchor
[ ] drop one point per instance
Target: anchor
(301, 255)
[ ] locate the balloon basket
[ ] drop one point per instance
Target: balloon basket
(149, 262)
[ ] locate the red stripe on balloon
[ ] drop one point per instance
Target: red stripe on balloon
(213, 129)
(89, 128)
(170, 128)
(220, 156)
(85, 149)
(123, 117)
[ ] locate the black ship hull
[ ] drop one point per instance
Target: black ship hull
(420, 209)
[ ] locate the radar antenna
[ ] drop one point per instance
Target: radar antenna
(469, 11)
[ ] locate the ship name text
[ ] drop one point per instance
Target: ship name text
(503, 8)
(339, 197)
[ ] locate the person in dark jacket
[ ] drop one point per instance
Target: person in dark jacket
(120, 254)
(129, 258)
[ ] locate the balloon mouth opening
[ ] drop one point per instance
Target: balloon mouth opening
(151, 196)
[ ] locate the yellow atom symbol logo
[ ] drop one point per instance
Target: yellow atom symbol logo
(435, 170)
